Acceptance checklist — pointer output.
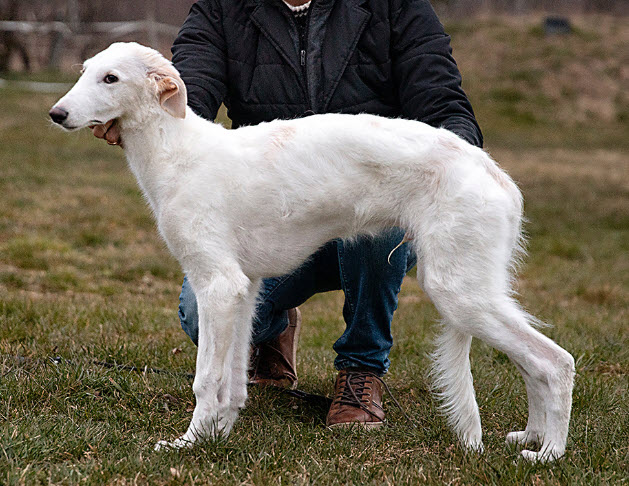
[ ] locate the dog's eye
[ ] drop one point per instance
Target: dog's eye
(110, 78)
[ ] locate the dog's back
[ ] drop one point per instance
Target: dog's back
(300, 183)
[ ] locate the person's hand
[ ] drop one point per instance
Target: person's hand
(110, 132)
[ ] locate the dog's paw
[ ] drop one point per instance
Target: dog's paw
(522, 437)
(545, 455)
(181, 443)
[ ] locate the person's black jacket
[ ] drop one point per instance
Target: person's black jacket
(384, 57)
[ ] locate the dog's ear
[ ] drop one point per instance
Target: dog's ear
(172, 93)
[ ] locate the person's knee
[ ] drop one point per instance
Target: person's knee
(188, 312)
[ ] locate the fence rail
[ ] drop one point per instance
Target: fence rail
(56, 37)
(113, 28)
(35, 86)
(59, 44)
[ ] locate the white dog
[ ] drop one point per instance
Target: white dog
(237, 206)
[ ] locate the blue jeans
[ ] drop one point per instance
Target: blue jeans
(370, 284)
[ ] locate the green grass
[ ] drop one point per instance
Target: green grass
(84, 276)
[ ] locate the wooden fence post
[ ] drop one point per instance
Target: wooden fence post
(73, 20)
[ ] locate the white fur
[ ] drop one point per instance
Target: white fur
(237, 206)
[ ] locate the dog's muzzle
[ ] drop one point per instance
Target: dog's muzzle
(58, 115)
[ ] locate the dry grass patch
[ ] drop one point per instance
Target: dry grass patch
(545, 88)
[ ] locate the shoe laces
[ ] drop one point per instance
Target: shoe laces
(254, 360)
(258, 365)
(356, 389)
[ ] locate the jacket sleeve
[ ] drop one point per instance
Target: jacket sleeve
(428, 79)
(199, 54)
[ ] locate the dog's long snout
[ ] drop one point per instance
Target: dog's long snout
(58, 115)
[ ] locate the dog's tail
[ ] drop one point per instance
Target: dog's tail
(407, 237)
(453, 384)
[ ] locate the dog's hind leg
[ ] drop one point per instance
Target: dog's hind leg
(534, 431)
(453, 380)
(222, 298)
(548, 372)
(547, 369)
(465, 261)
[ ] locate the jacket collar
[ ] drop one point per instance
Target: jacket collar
(271, 17)
(344, 28)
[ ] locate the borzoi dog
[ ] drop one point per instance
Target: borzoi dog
(238, 206)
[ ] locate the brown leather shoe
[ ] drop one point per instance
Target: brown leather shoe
(275, 363)
(357, 400)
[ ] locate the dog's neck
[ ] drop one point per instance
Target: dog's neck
(153, 148)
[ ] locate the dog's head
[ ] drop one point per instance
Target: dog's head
(124, 80)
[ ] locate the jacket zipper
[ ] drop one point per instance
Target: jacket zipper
(303, 44)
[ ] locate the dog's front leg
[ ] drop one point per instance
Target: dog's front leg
(242, 349)
(222, 302)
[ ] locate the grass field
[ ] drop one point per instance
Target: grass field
(84, 276)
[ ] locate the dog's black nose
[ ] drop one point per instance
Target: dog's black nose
(58, 115)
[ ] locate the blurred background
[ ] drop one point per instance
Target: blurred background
(524, 62)
(53, 34)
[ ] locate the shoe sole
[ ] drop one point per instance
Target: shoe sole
(360, 425)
